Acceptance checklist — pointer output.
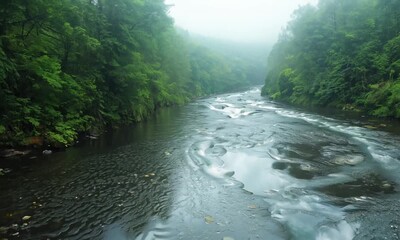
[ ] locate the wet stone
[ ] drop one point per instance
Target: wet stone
(279, 165)
(227, 238)
(47, 152)
(297, 172)
(208, 219)
(3, 229)
(348, 160)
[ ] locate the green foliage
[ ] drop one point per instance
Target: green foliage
(75, 65)
(286, 82)
(212, 73)
(383, 99)
(339, 53)
(2, 129)
(63, 133)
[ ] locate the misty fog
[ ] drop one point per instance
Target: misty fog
(254, 21)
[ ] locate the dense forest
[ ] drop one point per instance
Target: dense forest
(251, 55)
(75, 66)
(340, 53)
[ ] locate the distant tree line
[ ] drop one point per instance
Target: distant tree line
(340, 53)
(75, 66)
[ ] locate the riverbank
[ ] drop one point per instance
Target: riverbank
(28, 145)
(308, 104)
(37, 150)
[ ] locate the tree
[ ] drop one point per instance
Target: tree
(341, 53)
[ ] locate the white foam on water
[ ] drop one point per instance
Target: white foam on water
(231, 111)
(379, 150)
(234, 95)
(268, 107)
(328, 180)
(254, 103)
(342, 231)
(255, 90)
(306, 214)
(219, 99)
(309, 217)
(301, 211)
(256, 173)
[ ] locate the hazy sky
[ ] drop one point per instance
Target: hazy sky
(239, 20)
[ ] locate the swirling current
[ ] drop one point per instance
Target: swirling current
(233, 166)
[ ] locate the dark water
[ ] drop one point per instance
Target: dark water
(236, 166)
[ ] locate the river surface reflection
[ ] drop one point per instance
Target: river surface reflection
(234, 166)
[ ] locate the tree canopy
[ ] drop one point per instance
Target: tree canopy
(340, 53)
(78, 65)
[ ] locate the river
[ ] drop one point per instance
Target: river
(233, 166)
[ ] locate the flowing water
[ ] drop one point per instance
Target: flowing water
(235, 166)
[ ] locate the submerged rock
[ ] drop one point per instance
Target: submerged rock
(348, 160)
(26, 218)
(280, 165)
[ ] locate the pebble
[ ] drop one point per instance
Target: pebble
(47, 152)
(93, 137)
(4, 171)
(26, 218)
(209, 219)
